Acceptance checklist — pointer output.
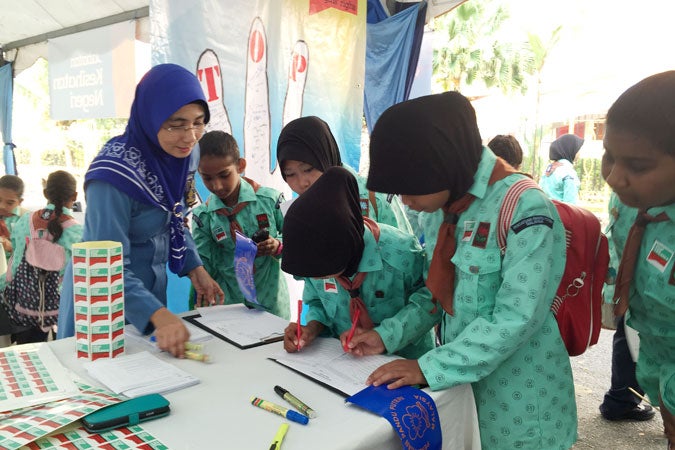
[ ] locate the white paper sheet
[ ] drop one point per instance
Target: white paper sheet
(243, 326)
(324, 360)
(139, 374)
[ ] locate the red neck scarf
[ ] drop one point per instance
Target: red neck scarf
(352, 286)
(232, 213)
(441, 278)
(628, 259)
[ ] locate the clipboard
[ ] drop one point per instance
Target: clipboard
(312, 378)
(240, 329)
(326, 363)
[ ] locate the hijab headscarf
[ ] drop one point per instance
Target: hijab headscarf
(136, 164)
(323, 228)
(565, 147)
(424, 146)
(308, 139)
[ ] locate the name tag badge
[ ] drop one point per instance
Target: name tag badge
(469, 226)
(330, 286)
(659, 256)
(219, 233)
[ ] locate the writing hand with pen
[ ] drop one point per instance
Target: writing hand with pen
(307, 333)
(362, 342)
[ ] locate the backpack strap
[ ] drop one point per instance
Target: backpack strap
(66, 222)
(509, 206)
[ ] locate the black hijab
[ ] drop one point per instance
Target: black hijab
(424, 146)
(323, 228)
(308, 139)
(565, 147)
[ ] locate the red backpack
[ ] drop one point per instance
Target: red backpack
(578, 300)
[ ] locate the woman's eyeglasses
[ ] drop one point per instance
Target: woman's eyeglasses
(198, 128)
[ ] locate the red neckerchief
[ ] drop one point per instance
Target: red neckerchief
(441, 278)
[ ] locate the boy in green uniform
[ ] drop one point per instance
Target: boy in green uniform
(356, 272)
(237, 203)
(639, 166)
(498, 331)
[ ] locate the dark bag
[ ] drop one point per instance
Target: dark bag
(32, 295)
(578, 301)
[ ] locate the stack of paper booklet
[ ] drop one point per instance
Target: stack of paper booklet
(139, 374)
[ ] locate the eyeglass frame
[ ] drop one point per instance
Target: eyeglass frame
(198, 129)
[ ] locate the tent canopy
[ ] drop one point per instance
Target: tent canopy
(26, 25)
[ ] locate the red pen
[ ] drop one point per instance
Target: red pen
(357, 313)
(298, 330)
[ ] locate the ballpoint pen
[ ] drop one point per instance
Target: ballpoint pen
(298, 330)
(281, 432)
(357, 313)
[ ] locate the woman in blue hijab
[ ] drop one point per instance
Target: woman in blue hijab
(136, 190)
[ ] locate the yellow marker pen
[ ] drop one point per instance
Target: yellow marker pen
(281, 432)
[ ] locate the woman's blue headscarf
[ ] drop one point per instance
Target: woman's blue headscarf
(137, 165)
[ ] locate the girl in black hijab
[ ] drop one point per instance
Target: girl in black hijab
(498, 323)
(307, 148)
(355, 271)
(560, 181)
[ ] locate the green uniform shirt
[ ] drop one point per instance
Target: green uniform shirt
(503, 337)
(211, 233)
(393, 291)
(652, 299)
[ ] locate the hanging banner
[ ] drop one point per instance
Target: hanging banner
(91, 74)
(264, 63)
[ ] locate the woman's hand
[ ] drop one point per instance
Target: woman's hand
(402, 372)
(363, 343)
(170, 332)
(207, 291)
(308, 334)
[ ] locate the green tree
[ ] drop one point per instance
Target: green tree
(476, 51)
(540, 51)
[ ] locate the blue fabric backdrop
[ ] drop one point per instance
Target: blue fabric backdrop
(392, 50)
(6, 84)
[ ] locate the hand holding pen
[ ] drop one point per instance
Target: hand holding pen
(363, 343)
(307, 334)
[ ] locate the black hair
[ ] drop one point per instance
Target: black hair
(219, 143)
(59, 189)
(13, 183)
(507, 147)
(647, 110)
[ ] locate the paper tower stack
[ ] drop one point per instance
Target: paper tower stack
(98, 288)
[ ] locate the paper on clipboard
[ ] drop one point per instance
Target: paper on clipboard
(325, 362)
(240, 325)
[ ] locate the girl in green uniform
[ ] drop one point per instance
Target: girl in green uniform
(497, 331)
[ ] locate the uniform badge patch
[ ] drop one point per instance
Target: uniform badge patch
(469, 226)
(659, 256)
(531, 221)
(330, 286)
(263, 221)
(481, 235)
(219, 233)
